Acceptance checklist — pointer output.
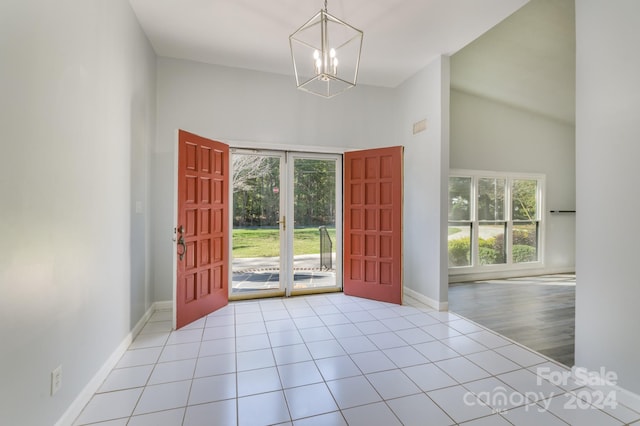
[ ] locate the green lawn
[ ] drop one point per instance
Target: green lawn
(266, 243)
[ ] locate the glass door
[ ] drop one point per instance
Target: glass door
(257, 235)
(286, 223)
(315, 205)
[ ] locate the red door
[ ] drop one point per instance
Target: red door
(373, 224)
(203, 231)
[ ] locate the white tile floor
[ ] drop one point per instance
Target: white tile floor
(335, 360)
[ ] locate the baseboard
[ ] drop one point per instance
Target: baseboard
(440, 306)
(628, 398)
(622, 396)
(74, 410)
(165, 305)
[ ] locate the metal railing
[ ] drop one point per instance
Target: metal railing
(326, 249)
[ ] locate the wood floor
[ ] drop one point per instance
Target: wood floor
(538, 312)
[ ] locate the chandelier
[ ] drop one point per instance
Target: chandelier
(326, 54)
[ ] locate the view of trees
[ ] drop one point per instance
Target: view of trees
(459, 198)
(524, 200)
(315, 192)
(256, 191)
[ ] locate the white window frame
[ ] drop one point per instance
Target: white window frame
(475, 267)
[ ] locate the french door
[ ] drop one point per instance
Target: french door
(373, 224)
(201, 232)
(286, 223)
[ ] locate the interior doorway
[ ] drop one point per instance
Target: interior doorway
(286, 223)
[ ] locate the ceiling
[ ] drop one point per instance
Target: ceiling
(400, 36)
(528, 60)
(518, 52)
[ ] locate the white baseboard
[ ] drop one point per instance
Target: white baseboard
(165, 305)
(74, 410)
(622, 396)
(630, 399)
(440, 306)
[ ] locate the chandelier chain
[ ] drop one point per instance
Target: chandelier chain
(325, 5)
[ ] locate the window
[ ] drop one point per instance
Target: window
(460, 221)
(494, 220)
(492, 224)
(525, 220)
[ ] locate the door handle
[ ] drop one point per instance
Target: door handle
(283, 222)
(184, 247)
(181, 242)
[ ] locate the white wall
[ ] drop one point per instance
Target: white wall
(489, 135)
(231, 105)
(77, 98)
(234, 105)
(607, 153)
(426, 165)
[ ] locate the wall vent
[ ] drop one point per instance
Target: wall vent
(419, 126)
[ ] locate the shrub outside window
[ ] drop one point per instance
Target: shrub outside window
(494, 220)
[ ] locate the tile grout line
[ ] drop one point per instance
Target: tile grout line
(367, 307)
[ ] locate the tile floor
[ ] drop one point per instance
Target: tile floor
(336, 360)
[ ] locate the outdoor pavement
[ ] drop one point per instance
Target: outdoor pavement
(263, 273)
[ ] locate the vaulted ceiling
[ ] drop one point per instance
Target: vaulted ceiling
(524, 60)
(528, 60)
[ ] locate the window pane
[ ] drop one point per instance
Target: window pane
(491, 249)
(524, 200)
(491, 199)
(525, 242)
(459, 244)
(459, 198)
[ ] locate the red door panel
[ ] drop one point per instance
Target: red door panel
(373, 224)
(202, 281)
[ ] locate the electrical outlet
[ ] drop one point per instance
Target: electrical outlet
(56, 380)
